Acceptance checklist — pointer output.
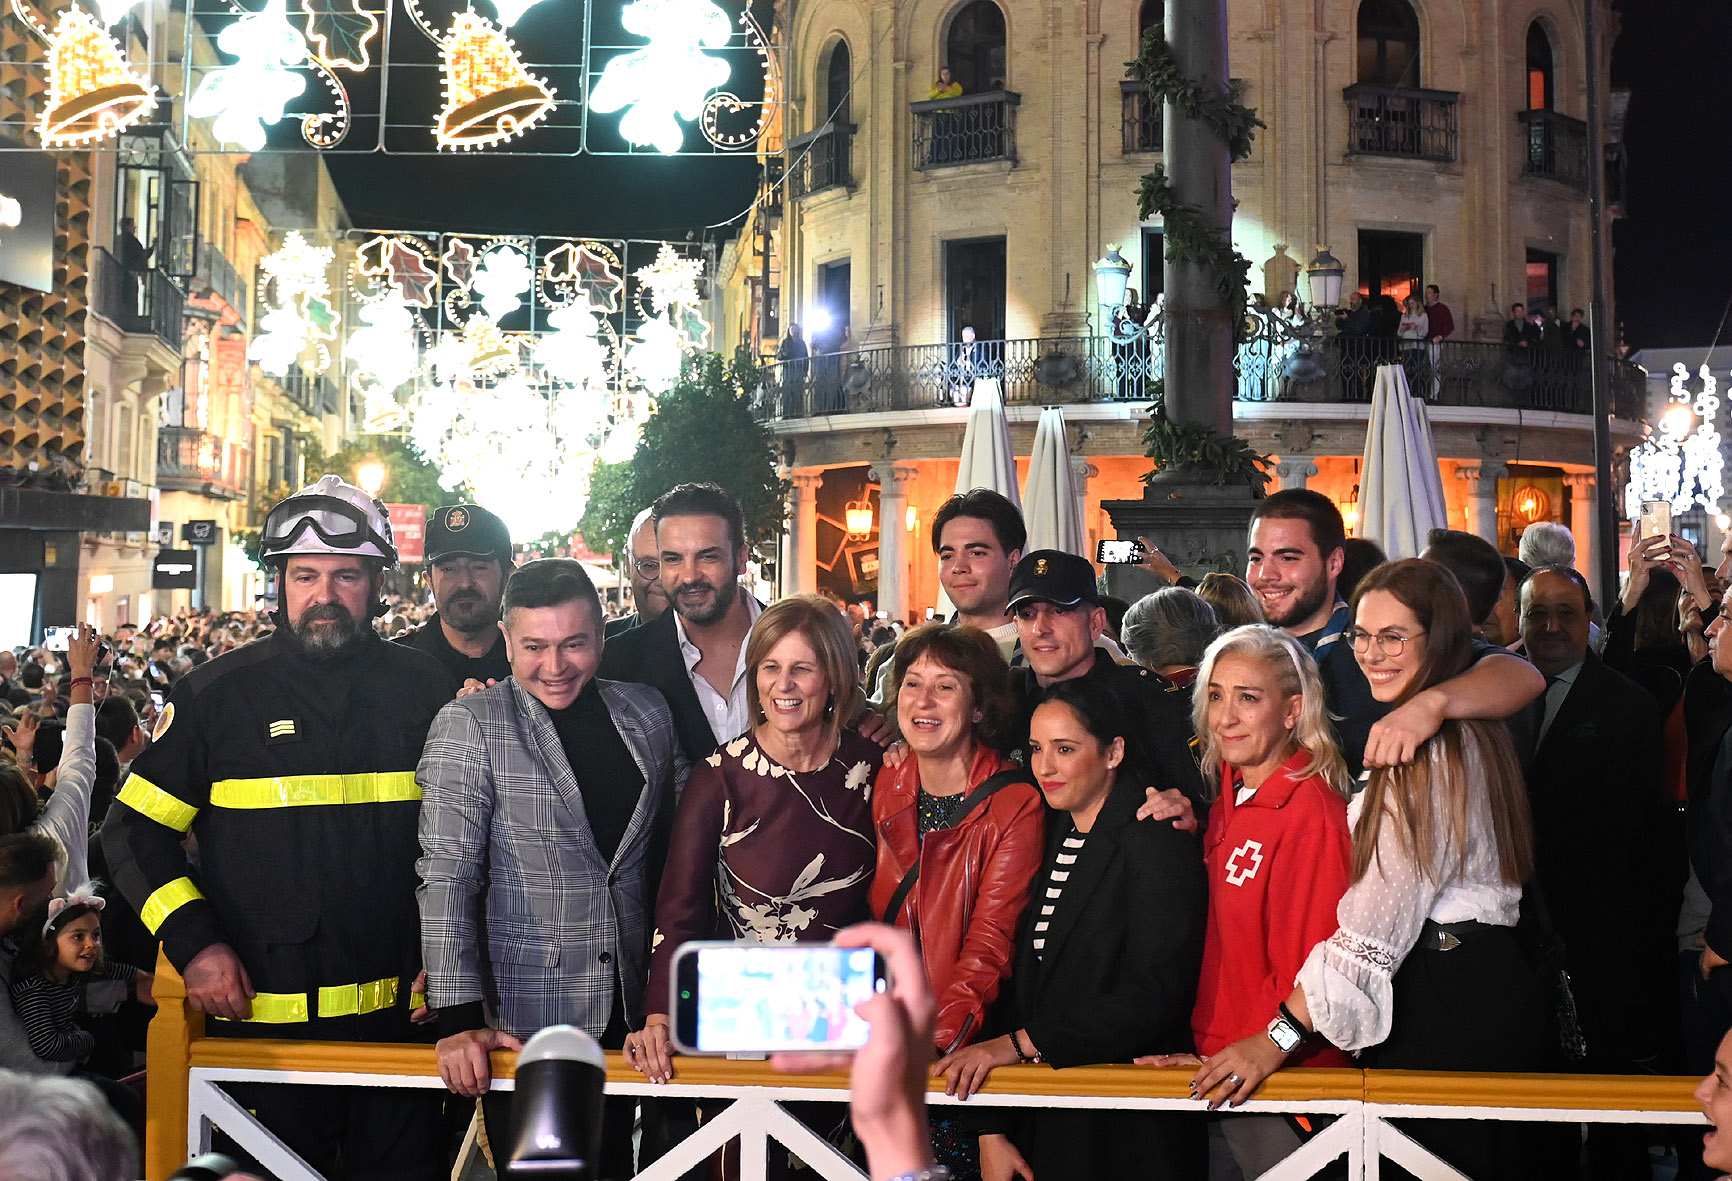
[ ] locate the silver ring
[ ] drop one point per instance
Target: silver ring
(1234, 1079)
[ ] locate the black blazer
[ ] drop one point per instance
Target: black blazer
(1125, 945)
(650, 655)
(1594, 788)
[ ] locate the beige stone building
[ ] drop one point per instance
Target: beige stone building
(1423, 141)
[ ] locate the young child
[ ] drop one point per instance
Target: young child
(60, 954)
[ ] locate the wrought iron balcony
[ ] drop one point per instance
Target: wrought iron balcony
(140, 301)
(1396, 121)
(216, 275)
(820, 160)
(314, 393)
(1275, 366)
(1556, 147)
(1142, 118)
(191, 460)
(965, 130)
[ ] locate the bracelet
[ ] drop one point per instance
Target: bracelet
(935, 1173)
(1016, 1044)
(77, 681)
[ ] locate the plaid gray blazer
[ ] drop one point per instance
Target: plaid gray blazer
(517, 906)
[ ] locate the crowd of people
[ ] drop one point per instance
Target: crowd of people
(1437, 814)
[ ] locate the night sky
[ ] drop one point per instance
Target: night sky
(1672, 252)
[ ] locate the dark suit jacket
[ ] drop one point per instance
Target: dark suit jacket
(1594, 787)
(1707, 718)
(1125, 946)
(650, 655)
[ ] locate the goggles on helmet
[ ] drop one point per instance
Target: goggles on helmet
(333, 520)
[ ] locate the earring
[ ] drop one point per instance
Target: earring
(830, 705)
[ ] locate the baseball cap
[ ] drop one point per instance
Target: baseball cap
(467, 530)
(1054, 576)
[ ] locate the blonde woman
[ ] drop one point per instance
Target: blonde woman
(1278, 852)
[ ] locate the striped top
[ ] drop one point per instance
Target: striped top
(1062, 863)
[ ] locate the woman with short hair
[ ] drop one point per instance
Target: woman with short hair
(1168, 631)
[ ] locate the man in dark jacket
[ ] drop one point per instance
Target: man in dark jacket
(292, 761)
(468, 559)
(646, 577)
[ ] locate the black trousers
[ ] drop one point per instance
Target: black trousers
(1476, 1007)
(352, 1133)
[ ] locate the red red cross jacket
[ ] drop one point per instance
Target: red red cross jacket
(1278, 865)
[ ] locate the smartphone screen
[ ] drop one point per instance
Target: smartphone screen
(732, 998)
(1118, 553)
(58, 639)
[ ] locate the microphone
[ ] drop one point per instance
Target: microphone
(556, 1115)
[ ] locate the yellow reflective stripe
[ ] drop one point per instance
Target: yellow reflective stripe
(346, 1000)
(165, 900)
(147, 799)
(417, 1000)
(295, 791)
(336, 1000)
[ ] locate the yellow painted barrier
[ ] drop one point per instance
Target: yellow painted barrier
(177, 1045)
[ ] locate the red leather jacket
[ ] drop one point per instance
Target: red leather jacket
(975, 880)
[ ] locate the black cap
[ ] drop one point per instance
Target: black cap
(1055, 577)
(467, 529)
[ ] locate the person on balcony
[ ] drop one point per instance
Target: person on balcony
(943, 147)
(792, 354)
(964, 365)
(135, 257)
(1440, 327)
(1413, 329)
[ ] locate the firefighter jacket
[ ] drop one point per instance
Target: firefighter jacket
(296, 776)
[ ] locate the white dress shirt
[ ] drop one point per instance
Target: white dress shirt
(728, 716)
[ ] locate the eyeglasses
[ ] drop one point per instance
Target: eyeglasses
(1388, 643)
(647, 567)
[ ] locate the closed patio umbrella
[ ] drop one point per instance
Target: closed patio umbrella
(1400, 490)
(987, 459)
(1051, 509)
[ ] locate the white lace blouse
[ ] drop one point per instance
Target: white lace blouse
(1348, 978)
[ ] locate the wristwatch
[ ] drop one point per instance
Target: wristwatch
(936, 1173)
(1285, 1032)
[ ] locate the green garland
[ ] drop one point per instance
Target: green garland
(1193, 236)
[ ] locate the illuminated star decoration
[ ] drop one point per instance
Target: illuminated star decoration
(92, 94)
(297, 312)
(246, 96)
(459, 260)
(504, 278)
(667, 80)
(672, 281)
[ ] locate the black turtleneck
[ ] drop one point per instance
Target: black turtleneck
(606, 773)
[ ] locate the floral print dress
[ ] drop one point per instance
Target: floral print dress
(763, 853)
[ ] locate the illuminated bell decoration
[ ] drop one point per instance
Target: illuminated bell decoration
(91, 93)
(857, 515)
(1529, 504)
(489, 96)
(488, 352)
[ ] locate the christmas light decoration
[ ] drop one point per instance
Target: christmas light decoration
(243, 98)
(488, 351)
(654, 358)
(671, 279)
(380, 413)
(294, 283)
(113, 10)
(729, 103)
(511, 11)
(505, 277)
(1680, 464)
(573, 352)
(489, 96)
(589, 267)
(459, 260)
(277, 344)
(666, 81)
(385, 348)
(298, 267)
(92, 93)
(340, 31)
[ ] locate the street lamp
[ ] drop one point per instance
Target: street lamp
(1112, 279)
(1323, 276)
(371, 476)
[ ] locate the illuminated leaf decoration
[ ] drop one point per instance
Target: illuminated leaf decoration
(459, 260)
(340, 31)
(592, 273)
(666, 81)
(242, 99)
(374, 256)
(410, 274)
(321, 318)
(694, 331)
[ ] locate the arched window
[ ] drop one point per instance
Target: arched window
(838, 79)
(1540, 92)
(1388, 43)
(974, 49)
(1152, 15)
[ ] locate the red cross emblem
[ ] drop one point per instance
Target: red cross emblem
(1243, 865)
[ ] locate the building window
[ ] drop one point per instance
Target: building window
(1391, 263)
(974, 274)
(1542, 281)
(828, 327)
(1388, 43)
(838, 82)
(1154, 273)
(123, 443)
(974, 48)
(1540, 91)
(1152, 15)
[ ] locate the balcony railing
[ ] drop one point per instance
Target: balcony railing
(191, 460)
(820, 160)
(965, 130)
(1395, 121)
(1142, 118)
(1556, 147)
(314, 393)
(1276, 366)
(217, 276)
(140, 301)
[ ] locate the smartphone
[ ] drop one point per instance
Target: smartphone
(57, 639)
(156, 699)
(1119, 553)
(1655, 519)
(932, 612)
(762, 998)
